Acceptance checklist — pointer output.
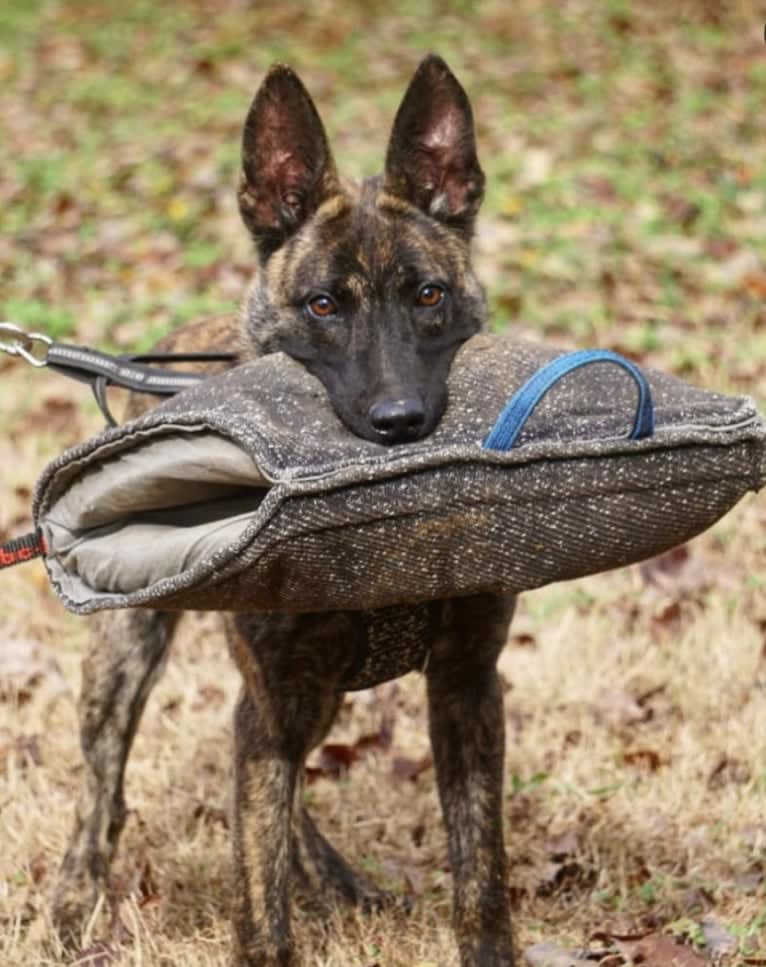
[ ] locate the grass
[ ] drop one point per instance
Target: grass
(626, 160)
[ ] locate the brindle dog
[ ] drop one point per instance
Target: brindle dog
(370, 286)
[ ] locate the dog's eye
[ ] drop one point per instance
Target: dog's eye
(429, 295)
(322, 306)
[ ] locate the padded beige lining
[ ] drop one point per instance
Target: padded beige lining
(154, 511)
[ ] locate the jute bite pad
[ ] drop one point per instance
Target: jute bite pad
(246, 493)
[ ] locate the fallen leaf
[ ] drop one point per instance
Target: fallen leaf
(336, 758)
(517, 895)
(677, 572)
(381, 739)
(664, 567)
(417, 835)
(659, 950)
(720, 248)
(523, 640)
(599, 187)
(681, 210)
(667, 618)
(37, 868)
(172, 706)
(407, 770)
(755, 284)
(645, 758)
(728, 771)
(645, 697)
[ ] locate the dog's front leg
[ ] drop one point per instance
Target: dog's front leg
(126, 653)
(467, 734)
(265, 783)
(291, 671)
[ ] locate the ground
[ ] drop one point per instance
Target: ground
(625, 149)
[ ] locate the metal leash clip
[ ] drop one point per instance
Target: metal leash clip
(32, 346)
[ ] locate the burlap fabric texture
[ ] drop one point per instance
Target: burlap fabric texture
(246, 493)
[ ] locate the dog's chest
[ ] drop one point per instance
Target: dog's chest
(390, 642)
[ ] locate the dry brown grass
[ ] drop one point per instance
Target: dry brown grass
(636, 738)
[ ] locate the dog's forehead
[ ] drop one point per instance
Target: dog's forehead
(368, 233)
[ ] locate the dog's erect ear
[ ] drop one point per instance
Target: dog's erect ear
(431, 160)
(287, 167)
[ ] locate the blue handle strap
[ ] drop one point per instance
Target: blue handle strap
(519, 408)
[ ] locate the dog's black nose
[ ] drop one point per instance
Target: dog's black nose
(397, 420)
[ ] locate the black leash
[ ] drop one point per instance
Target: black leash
(99, 370)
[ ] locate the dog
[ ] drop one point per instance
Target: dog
(370, 287)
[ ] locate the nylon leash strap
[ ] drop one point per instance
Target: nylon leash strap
(22, 549)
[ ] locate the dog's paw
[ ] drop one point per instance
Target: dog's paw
(71, 906)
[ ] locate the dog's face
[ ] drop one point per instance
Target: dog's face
(369, 286)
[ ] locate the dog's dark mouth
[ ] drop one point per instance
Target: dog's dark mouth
(389, 439)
